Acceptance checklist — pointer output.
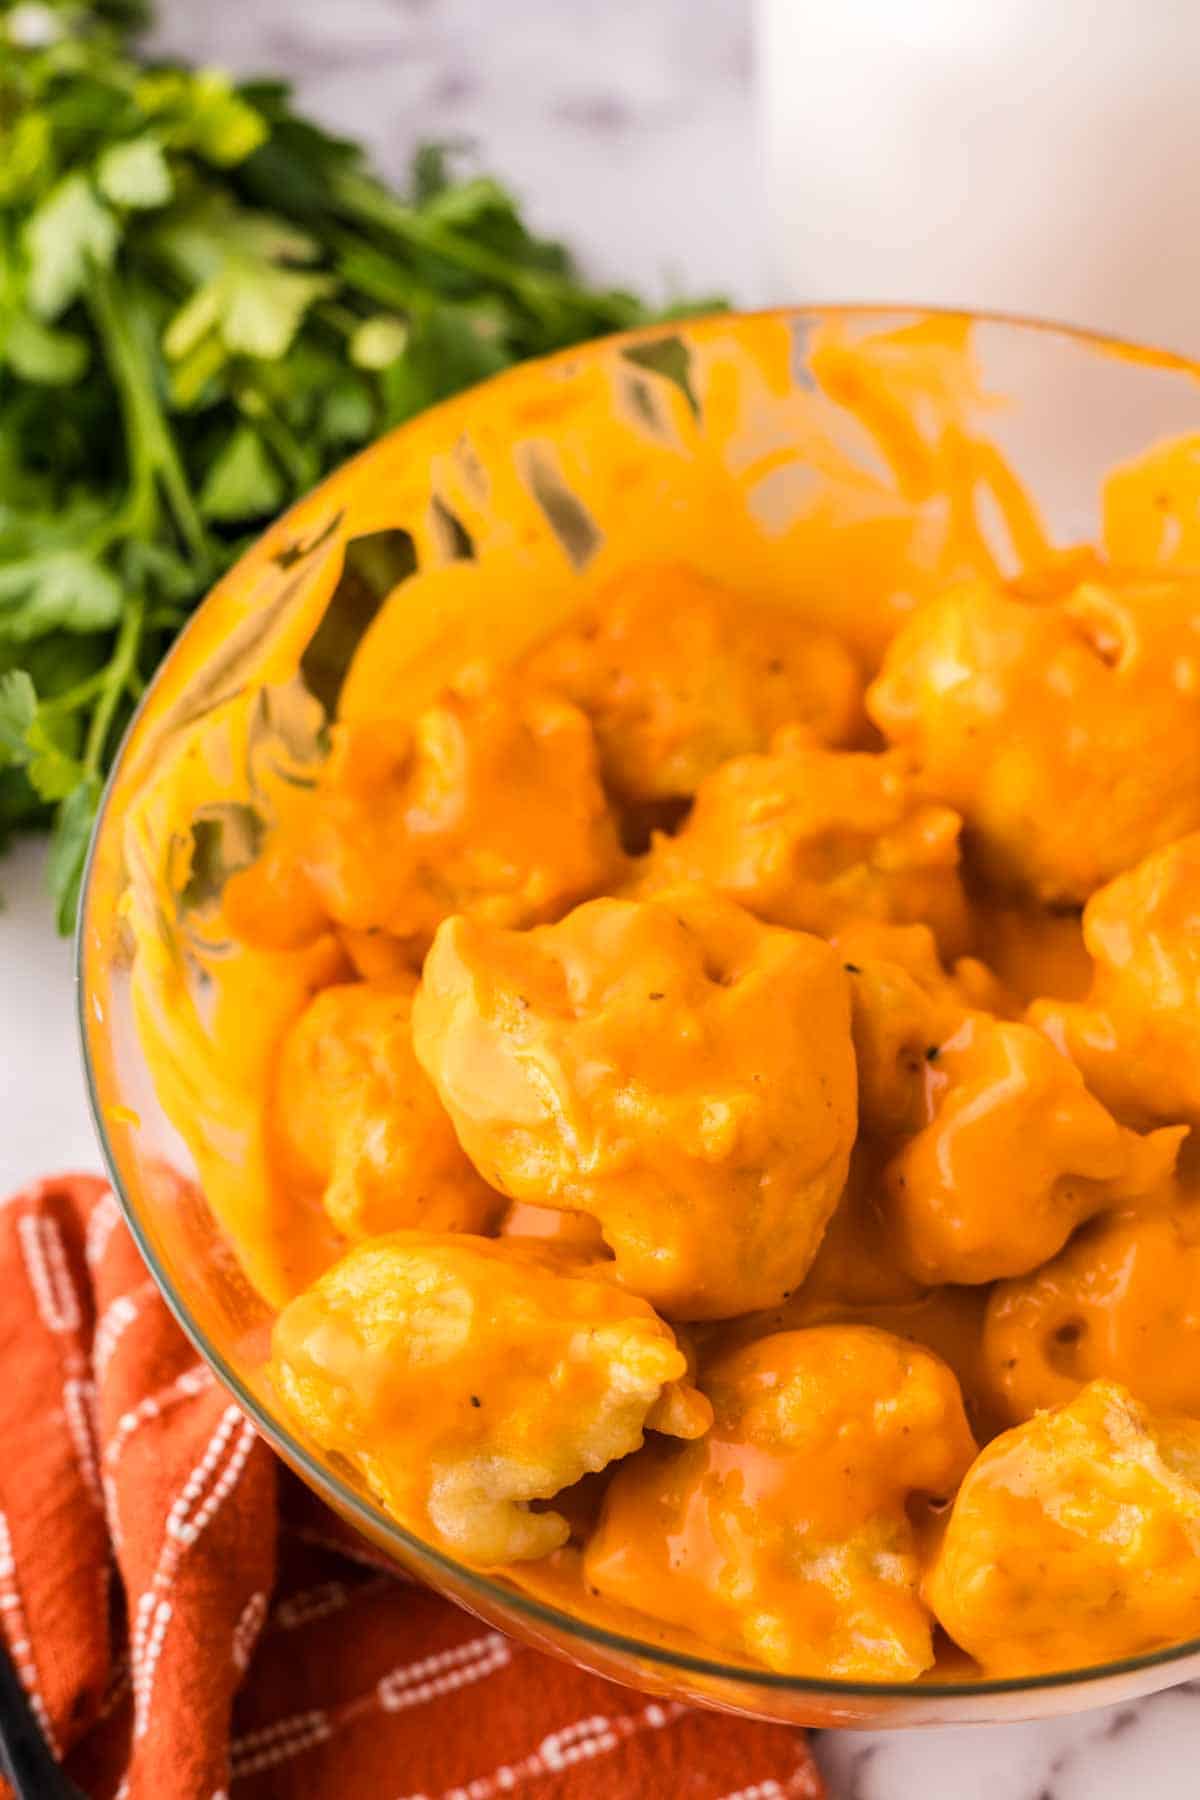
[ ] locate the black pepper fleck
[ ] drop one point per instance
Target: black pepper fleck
(475, 1400)
(852, 968)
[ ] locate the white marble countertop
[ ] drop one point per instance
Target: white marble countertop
(630, 128)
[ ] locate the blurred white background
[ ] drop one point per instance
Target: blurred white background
(629, 127)
(1036, 156)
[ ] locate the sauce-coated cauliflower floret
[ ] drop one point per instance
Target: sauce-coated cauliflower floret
(1014, 1154)
(855, 1280)
(898, 1026)
(784, 1533)
(1137, 1035)
(672, 1067)
(1066, 732)
(489, 803)
(904, 1005)
(677, 673)
(356, 1119)
(464, 1378)
(967, 982)
(810, 837)
(1122, 1300)
(1075, 1539)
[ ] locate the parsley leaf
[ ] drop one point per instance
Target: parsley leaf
(57, 590)
(68, 851)
(135, 173)
(243, 482)
(37, 352)
(18, 705)
(247, 294)
(69, 229)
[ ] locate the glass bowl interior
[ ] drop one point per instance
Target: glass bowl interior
(741, 444)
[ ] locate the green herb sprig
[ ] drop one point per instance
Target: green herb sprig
(206, 302)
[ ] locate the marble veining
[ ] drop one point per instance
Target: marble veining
(1120, 1753)
(602, 116)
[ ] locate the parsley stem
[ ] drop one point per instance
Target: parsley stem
(72, 698)
(302, 470)
(118, 673)
(363, 199)
(152, 453)
(339, 318)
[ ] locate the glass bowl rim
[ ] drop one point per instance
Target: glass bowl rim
(377, 1525)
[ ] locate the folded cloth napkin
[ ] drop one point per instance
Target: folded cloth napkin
(190, 1623)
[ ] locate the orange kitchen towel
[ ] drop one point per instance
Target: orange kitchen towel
(191, 1624)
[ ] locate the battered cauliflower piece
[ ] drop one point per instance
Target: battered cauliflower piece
(677, 674)
(1122, 1301)
(672, 1067)
(489, 804)
(356, 1119)
(1137, 1035)
(464, 1378)
(1075, 1539)
(904, 1005)
(913, 948)
(1065, 731)
(785, 1534)
(898, 1026)
(810, 838)
(947, 1321)
(1014, 1154)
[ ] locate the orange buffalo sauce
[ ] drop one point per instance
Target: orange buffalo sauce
(785, 1530)
(1122, 1300)
(680, 1124)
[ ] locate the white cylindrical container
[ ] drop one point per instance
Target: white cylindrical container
(1037, 156)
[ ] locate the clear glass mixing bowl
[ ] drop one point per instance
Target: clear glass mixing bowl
(487, 520)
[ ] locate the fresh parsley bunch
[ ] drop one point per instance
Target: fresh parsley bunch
(206, 302)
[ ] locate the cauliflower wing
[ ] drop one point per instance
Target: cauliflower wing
(1014, 1154)
(811, 838)
(677, 673)
(672, 1067)
(489, 803)
(1066, 731)
(904, 1005)
(1074, 1539)
(1136, 1036)
(784, 1534)
(356, 1119)
(1122, 1301)
(465, 1378)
